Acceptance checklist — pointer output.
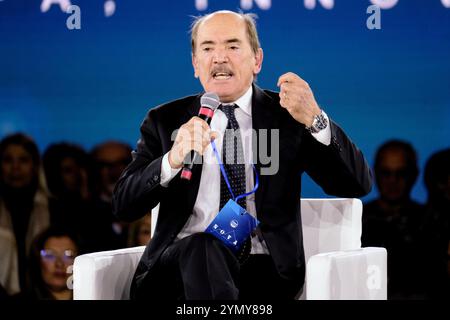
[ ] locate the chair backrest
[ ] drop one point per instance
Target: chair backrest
(331, 225)
(328, 225)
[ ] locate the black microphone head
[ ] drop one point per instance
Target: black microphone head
(210, 100)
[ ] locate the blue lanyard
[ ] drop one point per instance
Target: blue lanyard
(222, 169)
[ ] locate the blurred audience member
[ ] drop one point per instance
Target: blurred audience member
(8, 261)
(50, 265)
(110, 159)
(392, 221)
(23, 207)
(436, 225)
(66, 169)
(139, 233)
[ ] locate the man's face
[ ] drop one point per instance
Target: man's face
(112, 160)
(223, 58)
(393, 178)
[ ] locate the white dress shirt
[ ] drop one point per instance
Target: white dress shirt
(206, 205)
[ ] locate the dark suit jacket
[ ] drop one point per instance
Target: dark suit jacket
(340, 169)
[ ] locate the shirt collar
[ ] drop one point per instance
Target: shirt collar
(245, 101)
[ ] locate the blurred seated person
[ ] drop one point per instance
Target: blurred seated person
(392, 221)
(109, 161)
(436, 225)
(66, 169)
(24, 209)
(139, 232)
(50, 265)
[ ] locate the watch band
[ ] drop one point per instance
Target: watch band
(320, 122)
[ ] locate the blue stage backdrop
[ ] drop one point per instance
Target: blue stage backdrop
(96, 83)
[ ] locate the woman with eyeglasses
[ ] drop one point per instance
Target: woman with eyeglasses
(50, 266)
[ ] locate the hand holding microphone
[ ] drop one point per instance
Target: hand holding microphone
(194, 136)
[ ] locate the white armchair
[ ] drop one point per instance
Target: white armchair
(337, 267)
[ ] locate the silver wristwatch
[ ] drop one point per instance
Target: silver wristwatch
(319, 123)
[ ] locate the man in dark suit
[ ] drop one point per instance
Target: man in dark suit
(184, 262)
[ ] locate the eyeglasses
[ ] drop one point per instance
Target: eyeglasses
(49, 255)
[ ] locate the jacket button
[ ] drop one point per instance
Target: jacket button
(155, 178)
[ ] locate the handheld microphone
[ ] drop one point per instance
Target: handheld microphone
(208, 104)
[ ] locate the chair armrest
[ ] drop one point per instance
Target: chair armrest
(105, 275)
(359, 274)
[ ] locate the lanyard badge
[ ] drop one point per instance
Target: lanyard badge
(233, 224)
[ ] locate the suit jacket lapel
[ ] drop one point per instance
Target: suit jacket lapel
(264, 116)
